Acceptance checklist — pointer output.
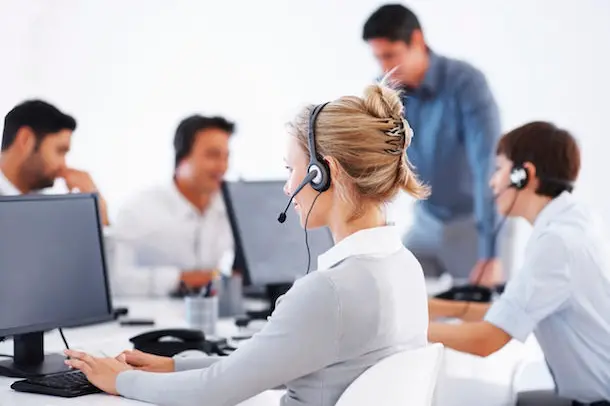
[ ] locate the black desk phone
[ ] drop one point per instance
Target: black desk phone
(170, 342)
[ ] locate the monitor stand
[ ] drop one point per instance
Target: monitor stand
(273, 293)
(29, 359)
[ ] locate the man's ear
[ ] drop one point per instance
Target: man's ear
(417, 39)
(25, 140)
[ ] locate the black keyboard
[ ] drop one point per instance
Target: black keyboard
(65, 384)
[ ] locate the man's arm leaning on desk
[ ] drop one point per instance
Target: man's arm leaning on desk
(147, 244)
(131, 280)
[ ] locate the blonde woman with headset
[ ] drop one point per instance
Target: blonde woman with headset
(346, 159)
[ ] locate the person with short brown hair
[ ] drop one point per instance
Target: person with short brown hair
(36, 139)
(562, 293)
(456, 120)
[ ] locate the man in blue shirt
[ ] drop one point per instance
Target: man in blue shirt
(562, 292)
(456, 126)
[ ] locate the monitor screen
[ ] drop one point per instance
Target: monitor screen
(52, 266)
(272, 253)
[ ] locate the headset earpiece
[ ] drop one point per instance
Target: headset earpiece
(318, 171)
(519, 177)
(321, 182)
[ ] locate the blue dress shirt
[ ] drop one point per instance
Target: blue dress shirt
(456, 127)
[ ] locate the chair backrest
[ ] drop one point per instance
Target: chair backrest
(406, 378)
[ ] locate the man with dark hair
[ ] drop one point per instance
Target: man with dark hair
(178, 234)
(562, 293)
(456, 124)
(35, 141)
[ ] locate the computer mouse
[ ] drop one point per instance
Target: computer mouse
(191, 354)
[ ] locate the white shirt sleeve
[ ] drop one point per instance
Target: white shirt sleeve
(538, 290)
(301, 337)
(130, 280)
(142, 240)
(156, 236)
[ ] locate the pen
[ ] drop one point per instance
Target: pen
(184, 289)
(208, 289)
(189, 291)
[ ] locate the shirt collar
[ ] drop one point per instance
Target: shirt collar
(555, 207)
(380, 241)
(185, 207)
(432, 79)
(6, 186)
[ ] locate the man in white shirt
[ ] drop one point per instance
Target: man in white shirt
(176, 235)
(562, 293)
(35, 141)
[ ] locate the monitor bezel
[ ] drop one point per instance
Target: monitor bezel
(34, 328)
(241, 260)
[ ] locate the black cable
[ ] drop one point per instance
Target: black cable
(12, 356)
(494, 240)
(306, 239)
(64, 338)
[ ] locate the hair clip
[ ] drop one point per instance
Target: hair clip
(401, 135)
(397, 146)
(398, 130)
(393, 151)
(408, 132)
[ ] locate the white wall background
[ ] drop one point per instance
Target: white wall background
(130, 70)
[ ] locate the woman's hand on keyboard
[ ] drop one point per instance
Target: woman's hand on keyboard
(101, 372)
(147, 362)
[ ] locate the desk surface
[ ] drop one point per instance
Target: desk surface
(111, 339)
(466, 379)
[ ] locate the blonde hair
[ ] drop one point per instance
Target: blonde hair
(368, 137)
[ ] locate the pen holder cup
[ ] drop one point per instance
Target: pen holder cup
(230, 296)
(202, 313)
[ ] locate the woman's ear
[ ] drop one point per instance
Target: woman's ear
(334, 168)
(532, 177)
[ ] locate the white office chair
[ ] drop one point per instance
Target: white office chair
(406, 378)
(267, 398)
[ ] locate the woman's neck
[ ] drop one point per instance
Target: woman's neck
(340, 229)
(534, 207)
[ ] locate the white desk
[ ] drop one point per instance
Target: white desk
(466, 379)
(111, 339)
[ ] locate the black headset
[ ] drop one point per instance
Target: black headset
(321, 181)
(519, 179)
(318, 172)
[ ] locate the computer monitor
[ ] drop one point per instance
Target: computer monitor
(269, 253)
(52, 275)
